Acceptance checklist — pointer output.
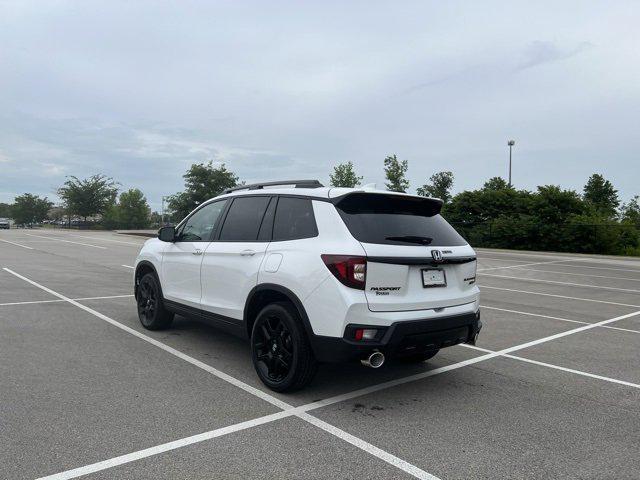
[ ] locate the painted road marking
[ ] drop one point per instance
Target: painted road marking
(590, 275)
(66, 241)
(58, 301)
(556, 282)
(556, 318)
(559, 296)
(516, 266)
(108, 240)
(16, 244)
(558, 367)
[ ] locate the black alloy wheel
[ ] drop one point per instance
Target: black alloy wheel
(274, 348)
(151, 311)
(281, 353)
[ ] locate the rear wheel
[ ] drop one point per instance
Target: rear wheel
(420, 357)
(151, 311)
(280, 350)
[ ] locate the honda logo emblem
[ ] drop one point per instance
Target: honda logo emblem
(437, 255)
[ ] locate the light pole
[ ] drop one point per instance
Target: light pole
(511, 143)
(163, 211)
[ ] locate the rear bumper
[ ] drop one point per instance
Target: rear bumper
(400, 338)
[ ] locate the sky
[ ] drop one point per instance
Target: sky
(140, 90)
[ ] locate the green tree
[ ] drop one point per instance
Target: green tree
(395, 172)
(5, 210)
(630, 212)
(202, 182)
(30, 208)
(133, 209)
(601, 195)
(440, 186)
(88, 197)
(344, 176)
(495, 183)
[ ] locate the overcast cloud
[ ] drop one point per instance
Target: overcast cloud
(139, 90)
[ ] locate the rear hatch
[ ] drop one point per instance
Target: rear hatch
(415, 259)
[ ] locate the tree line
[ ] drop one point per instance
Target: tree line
(500, 216)
(495, 215)
(95, 198)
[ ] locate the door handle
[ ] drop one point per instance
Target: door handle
(197, 252)
(247, 253)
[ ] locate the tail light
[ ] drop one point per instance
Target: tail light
(350, 270)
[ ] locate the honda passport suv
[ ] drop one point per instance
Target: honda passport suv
(311, 274)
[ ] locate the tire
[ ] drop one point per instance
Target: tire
(151, 311)
(419, 357)
(280, 350)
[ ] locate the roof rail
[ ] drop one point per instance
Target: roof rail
(260, 186)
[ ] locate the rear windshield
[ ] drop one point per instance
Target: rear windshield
(396, 220)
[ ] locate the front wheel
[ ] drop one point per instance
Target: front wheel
(280, 350)
(151, 311)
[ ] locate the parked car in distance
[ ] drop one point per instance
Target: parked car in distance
(5, 223)
(311, 274)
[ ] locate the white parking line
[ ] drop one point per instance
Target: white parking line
(165, 447)
(107, 240)
(484, 306)
(557, 282)
(367, 447)
(66, 241)
(16, 244)
(557, 367)
(57, 301)
(127, 266)
(635, 270)
(362, 444)
(516, 266)
(501, 259)
(559, 296)
(590, 275)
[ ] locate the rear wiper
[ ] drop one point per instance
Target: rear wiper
(412, 239)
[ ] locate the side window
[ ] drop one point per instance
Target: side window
(294, 219)
(200, 226)
(244, 218)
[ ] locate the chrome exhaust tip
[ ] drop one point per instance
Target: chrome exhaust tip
(375, 360)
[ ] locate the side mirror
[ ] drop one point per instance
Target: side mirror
(167, 234)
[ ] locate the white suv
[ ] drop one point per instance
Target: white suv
(312, 274)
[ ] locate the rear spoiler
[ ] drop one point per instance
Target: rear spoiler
(361, 200)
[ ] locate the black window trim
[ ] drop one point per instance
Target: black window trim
(216, 227)
(274, 199)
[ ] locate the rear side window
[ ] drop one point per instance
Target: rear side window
(294, 219)
(397, 220)
(244, 218)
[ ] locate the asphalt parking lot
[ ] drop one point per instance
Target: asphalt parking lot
(552, 389)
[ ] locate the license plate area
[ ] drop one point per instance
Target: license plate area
(433, 277)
